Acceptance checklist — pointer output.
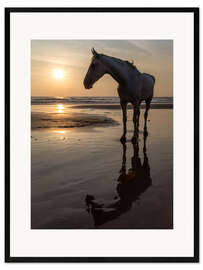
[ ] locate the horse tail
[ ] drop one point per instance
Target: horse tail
(153, 78)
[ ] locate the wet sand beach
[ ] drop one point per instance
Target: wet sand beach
(82, 177)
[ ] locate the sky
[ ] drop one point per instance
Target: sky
(58, 67)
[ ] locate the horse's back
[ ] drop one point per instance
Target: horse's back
(147, 86)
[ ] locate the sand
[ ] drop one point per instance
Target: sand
(84, 178)
(67, 120)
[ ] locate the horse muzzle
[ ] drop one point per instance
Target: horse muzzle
(88, 87)
(87, 84)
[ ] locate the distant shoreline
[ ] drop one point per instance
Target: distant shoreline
(117, 106)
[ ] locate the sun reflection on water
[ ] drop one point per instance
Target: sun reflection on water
(60, 108)
(60, 131)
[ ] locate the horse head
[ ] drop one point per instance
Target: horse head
(95, 71)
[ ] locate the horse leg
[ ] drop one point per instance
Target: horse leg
(148, 101)
(138, 118)
(135, 121)
(145, 134)
(123, 168)
(124, 110)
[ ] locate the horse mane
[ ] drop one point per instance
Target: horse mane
(130, 64)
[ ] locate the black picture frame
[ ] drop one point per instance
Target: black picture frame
(8, 257)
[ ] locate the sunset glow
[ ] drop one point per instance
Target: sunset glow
(59, 66)
(58, 74)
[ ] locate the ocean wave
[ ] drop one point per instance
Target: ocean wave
(37, 100)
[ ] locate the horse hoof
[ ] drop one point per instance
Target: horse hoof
(123, 139)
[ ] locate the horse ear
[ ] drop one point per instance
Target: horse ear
(94, 52)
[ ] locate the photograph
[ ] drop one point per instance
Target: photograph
(101, 134)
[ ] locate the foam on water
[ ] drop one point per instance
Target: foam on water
(38, 100)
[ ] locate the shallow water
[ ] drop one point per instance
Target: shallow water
(85, 178)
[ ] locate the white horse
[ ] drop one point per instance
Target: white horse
(133, 86)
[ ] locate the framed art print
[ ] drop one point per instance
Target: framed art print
(102, 134)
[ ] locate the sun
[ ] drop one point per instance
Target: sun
(58, 74)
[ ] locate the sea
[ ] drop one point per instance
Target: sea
(39, 100)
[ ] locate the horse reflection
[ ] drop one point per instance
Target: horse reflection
(130, 186)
